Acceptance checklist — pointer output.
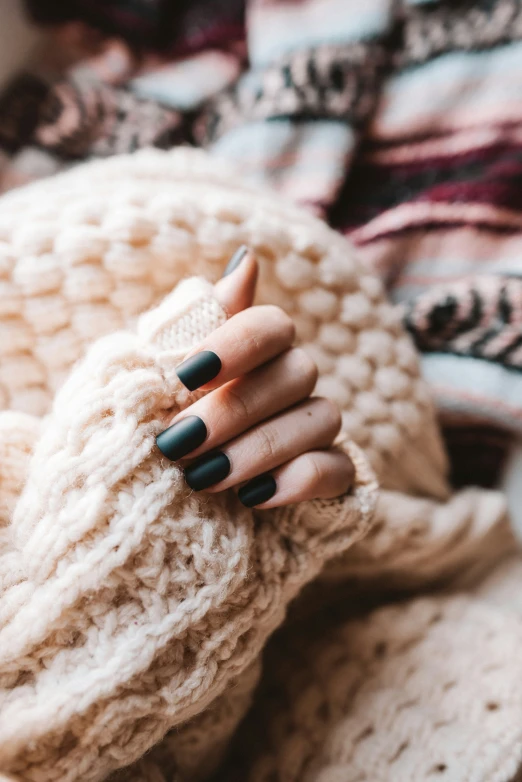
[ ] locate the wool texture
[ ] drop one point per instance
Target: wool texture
(133, 612)
(397, 122)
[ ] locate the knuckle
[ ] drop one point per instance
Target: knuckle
(279, 321)
(304, 366)
(246, 333)
(311, 472)
(266, 445)
(233, 406)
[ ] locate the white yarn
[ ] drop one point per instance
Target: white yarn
(129, 606)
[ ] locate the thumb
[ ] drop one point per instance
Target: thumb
(235, 290)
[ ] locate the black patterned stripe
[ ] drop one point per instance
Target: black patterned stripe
(490, 174)
(458, 25)
(326, 82)
(77, 118)
(480, 317)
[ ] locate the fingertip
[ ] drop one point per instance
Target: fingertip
(236, 259)
(236, 289)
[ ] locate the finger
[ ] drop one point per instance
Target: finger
(247, 340)
(312, 475)
(236, 289)
(311, 425)
(237, 406)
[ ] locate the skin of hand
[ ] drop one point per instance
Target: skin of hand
(258, 430)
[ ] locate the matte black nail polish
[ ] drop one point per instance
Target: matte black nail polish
(258, 490)
(207, 471)
(199, 369)
(182, 437)
(235, 260)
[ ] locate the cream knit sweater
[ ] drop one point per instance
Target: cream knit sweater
(132, 612)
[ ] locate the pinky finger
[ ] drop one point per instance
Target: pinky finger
(310, 476)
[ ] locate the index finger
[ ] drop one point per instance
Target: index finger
(235, 290)
(244, 342)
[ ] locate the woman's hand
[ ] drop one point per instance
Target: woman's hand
(258, 429)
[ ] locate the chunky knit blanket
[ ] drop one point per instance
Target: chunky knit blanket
(133, 613)
(397, 120)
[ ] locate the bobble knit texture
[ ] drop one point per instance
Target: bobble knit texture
(131, 607)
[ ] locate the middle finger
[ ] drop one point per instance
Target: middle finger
(235, 407)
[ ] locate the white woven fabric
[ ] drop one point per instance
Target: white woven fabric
(131, 608)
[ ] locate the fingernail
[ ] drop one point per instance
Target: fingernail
(182, 437)
(235, 260)
(257, 491)
(199, 369)
(207, 471)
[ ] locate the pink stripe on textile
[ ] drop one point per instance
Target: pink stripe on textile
(434, 256)
(458, 117)
(448, 392)
(406, 216)
(458, 143)
(499, 344)
(516, 357)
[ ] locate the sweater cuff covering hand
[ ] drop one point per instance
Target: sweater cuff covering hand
(136, 601)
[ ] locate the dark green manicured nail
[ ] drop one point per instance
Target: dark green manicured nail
(235, 260)
(257, 491)
(207, 470)
(182, 437)
(199, 369)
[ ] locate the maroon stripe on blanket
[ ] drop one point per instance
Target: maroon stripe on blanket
(485, 176)
(374, 142)
(428, 227)
(507, 195)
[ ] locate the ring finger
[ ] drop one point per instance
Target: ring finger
(311, 425)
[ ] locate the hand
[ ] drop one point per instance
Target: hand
(257, 428)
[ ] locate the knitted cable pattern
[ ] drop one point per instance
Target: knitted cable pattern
(133, 612)
(207, 583)
(205, 589)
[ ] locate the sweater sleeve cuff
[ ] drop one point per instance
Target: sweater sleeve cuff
(333, 525)
(184, 318)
